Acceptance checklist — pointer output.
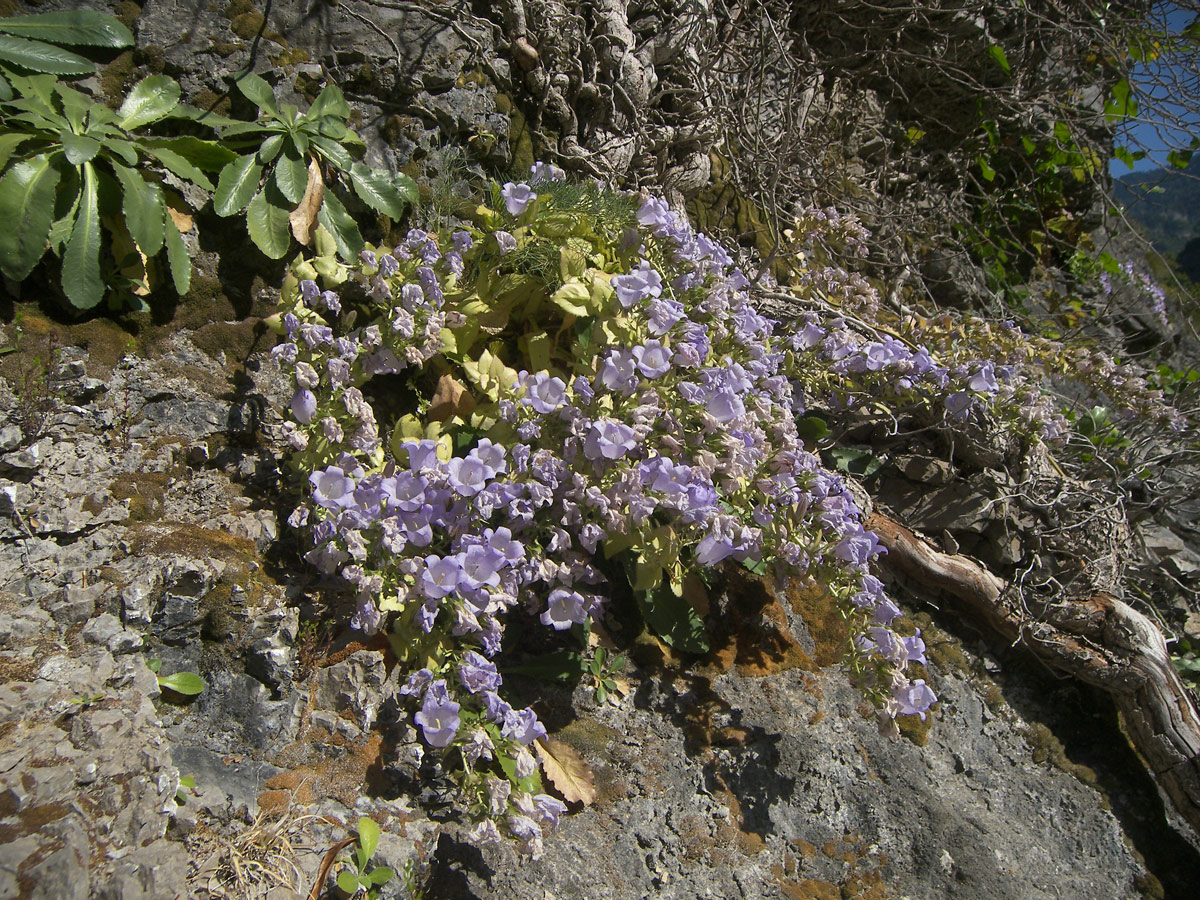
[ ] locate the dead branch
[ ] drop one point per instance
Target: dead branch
(1100, 640)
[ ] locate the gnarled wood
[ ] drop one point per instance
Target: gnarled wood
(1101, 641)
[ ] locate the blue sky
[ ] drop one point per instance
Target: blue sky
(1157, 102)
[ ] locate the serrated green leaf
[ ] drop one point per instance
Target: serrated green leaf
(180, 166)
(270, 148)
(334, 153)
(375, 189)
(330, 102)
(210, 156)
(79, 148)
(236, 129)
(258, 92)
(368, 837)
(39, 57)
(267, 222)
(347, 882)
(151, 99)
(9, 143)
(985, 169)
(81, 279)
(36, 87)
(27, 209)
(78, 27)
(291, 177)
(341, 226)
(66, 205)
(178, 258)
(6, 91)
(334, 129)
(142, 205)
(407, 188)
(236, 185)
(187, 683)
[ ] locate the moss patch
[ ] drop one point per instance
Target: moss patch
(116, 78)
(819, 609)
(225, 49)
(1047, 747)
(144, 491)
(248, 25)
(520, 137)
(292, 57)
(127, 11)
(753, 633)
(196, 542)
(722, 208)
(588, 736)
(236, 339)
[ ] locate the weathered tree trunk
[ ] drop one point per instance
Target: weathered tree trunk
(1101, 641)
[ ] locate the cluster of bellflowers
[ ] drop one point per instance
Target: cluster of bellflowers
(658, 428)
(847, 368)
(957, 366)
(1142, 285)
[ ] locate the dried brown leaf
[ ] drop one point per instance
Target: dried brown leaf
(450, 399)
(567, 771)
(182, 219)
(303, 218)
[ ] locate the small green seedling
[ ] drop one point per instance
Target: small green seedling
(602, 668)
(355, 879)
(187, 783)
(187, 683)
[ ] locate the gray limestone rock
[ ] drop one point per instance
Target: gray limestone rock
(357, 685)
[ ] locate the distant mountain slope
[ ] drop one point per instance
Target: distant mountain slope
(1171, 218)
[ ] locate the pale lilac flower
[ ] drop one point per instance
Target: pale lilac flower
(914, 699)
(522, 726)
(438, 716)
(478, 673)
(541, 171)
(478, 746)
(608, 439)
(484, 832)
(543, 393)
(527, 831)
(639, 284)
(332, 488)
(564, 609)
(653, 359)
(548, 809)
(441, 576)
(499, 790)
(517, 197)
(505, 241)
(304, 405)
(619, 372)
(958, 405)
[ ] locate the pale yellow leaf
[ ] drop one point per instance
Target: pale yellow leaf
(303, 218)
(567, 771)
